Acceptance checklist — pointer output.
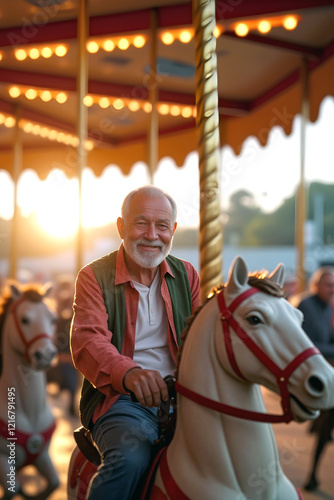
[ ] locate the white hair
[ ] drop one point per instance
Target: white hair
(151, 192)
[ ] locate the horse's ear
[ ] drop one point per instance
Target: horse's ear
(238, 275)
(15, 291)
(277, 276)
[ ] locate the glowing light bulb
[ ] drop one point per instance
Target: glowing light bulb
(9, 122)
(164, 109)
(104, 102)
(123, 44)
(36, 129)
(88, 101)
(185, 36)
(134, 105)
(34, 53)
(186, 112)
(14, 92)
(290, 23)
(46, 52)
(147, 107)
(167, 38)
(44, 132)
(139, 41)
(92, 47)
(175, 110)
(20, 54)
(61, 97)
(118, 104)
(241, 29)
(61, 51)
(53, 135)
(89, 145)
(31, 94)
(108, 45)
(46, 96)
(217, 31)
(264, 26)
(27, 127)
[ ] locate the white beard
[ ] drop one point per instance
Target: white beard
(144, 259)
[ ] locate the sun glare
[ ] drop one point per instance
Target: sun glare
(57, 207)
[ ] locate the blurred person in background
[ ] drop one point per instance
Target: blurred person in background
(318, 309)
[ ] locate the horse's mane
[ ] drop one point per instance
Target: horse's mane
(258, 279)
(32, 292)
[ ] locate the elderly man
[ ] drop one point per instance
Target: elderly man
(130, 308)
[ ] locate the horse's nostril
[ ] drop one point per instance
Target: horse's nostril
(316, 383)
(38, 355)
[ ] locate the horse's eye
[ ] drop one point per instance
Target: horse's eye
(253, 320)
(25, 320)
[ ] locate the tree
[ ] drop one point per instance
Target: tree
(241, 213)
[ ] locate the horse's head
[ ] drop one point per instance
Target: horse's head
(264, 343)
(30, 322)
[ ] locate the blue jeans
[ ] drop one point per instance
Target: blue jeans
(124, 436)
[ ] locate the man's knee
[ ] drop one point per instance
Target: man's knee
(134, 458)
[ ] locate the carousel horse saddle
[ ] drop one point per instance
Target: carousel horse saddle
(84, 441)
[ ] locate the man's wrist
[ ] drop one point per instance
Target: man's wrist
(125, 374)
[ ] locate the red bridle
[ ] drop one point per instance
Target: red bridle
(26, 344)
(282, 376)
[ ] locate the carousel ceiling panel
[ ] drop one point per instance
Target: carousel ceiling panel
(253, 71)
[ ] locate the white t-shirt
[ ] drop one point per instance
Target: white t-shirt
(151, 344)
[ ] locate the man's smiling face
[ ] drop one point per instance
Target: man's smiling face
(148, 229)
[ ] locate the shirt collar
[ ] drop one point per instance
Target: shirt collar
(122, 273)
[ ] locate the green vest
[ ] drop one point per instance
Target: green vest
(114, 299)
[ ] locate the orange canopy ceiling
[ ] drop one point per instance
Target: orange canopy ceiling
(258, 77)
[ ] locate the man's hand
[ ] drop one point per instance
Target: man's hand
(148, 386)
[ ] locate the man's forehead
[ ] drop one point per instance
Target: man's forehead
(143, 203)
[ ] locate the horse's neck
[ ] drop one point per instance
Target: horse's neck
(206, 442)
(30, 389)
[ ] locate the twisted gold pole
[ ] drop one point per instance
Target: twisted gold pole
(211, 236)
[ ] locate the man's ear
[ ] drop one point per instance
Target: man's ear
(120, 227)
(175, 226)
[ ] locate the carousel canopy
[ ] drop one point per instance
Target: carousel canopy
(261, 49)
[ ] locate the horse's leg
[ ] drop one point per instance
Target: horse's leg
(323, 438)
(45, 467)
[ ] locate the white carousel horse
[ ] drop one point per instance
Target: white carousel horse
(27, 326)
(245, 336)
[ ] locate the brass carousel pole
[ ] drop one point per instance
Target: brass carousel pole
(301, 197)
(17, 168)
(153, 94)
(82, 85)
(210, 237)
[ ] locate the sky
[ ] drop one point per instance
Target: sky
(270, 173)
